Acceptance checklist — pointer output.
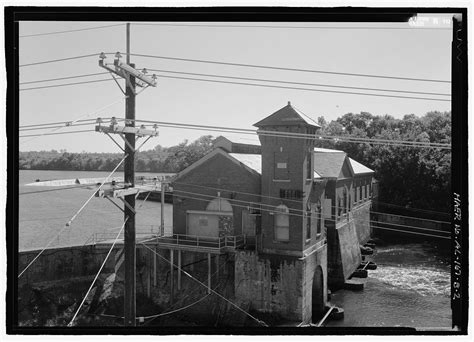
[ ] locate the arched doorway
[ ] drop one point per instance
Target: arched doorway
(318, 294)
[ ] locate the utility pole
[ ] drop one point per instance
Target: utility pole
(129, 133)
(129, 212)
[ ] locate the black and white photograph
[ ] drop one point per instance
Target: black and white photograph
(247, 171)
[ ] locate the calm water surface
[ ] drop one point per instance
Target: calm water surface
(43, 214)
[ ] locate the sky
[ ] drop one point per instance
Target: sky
(389, 49)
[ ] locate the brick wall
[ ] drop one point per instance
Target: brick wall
(218, 172)
(294, 152)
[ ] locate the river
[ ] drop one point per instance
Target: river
(410, 288)
(43, 213)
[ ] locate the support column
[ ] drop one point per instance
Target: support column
(154, 267)
(208, 273)
(179, 269)
(148, 276)
(171, 276)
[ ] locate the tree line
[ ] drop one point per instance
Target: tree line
(412, 177)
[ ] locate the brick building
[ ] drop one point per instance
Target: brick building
(290, 214)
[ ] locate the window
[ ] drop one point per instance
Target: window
(291, 193)
(308, 225)
(339, 206)
(309, 167)
(344, 201)
(282, 223)
(281, 166)
(360, 194)
(318, 218)
(219, 204)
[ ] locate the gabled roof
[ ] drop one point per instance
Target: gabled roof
(253, 161)
(286, 116)
(235, 146)
(329, 164)
(250, 167)
(359, 168)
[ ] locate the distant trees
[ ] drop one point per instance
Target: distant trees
(413, 177)
(159, 159)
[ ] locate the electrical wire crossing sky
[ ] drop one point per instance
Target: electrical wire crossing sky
(225, 74)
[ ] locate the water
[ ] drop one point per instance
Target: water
(410, 288)
(43, 214)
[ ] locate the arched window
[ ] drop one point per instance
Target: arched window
(344, 200)
(219, 204)
(318, 218)
(339, 206)
(282, 223)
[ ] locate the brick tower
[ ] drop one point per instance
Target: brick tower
(287, 177)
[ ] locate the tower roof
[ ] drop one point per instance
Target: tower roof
(287, 116)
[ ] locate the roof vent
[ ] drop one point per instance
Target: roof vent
(289, 103)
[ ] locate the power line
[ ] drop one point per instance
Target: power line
(298, 27)
(409, 232)
(57, 133)
(403, 143)
(68, 31)
(332, 220)
(67, 84)
(260, 85)
(287, 69)
(297, 135)
(51, 127)
(293, 214)
(213, 291)
(60, 59)
(49, 190)
(302, 89)
(100, 187)
(189, 305)
(64, 78)
(257, 204)
(41, 252)
(97, 275)
(249, 79)
(289, 200)
(57, 123)
(299, 83)
(413, 209)
(79, 119)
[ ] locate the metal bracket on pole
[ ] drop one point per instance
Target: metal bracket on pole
(116, 143)
(118, 84)
(126, 142)
(143, 143)
(115, 204)
(128, 205)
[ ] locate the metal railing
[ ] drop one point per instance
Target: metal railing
(104, 236)
(205, 242)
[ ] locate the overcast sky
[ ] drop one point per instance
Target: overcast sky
(376, 49)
